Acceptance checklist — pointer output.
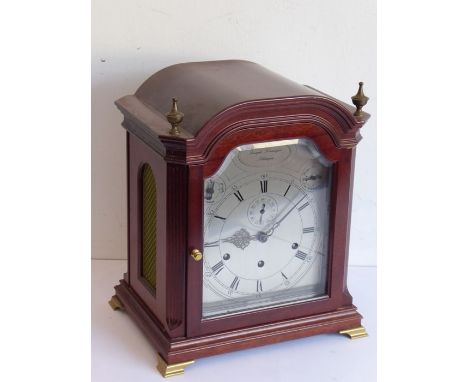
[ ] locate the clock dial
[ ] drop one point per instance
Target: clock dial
(266, 233)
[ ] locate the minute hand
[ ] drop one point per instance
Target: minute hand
(276, 225)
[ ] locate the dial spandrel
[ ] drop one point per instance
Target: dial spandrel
(266, 228)
(214, 189)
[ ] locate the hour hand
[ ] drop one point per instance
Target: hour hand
(241, 238)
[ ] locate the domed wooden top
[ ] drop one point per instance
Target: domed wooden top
(206, 89)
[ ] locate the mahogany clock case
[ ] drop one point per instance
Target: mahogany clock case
(226, 104)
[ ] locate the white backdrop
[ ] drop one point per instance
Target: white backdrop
(330, 45)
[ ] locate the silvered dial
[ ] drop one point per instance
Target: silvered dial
(265, 237)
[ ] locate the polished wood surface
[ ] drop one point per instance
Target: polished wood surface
(204, 89)
(227, 104)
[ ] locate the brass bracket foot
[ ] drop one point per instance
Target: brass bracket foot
(171, 370)
(359, 332)
(115, 303)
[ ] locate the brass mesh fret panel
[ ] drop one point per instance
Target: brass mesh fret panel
(148, 237)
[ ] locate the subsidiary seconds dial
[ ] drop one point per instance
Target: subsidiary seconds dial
(262, 210)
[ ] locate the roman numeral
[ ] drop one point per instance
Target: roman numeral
(284, 276)
(259, 286)
(211, 244)
(303, 206)
(218, 267)
(308, 230)
(264, 186)
(219, 217)
(287, 190)
(235, 283)
(301, 255)
(239, 196)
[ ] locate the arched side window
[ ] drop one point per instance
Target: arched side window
(148, 225)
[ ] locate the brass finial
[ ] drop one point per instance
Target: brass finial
(359, 100)
(175, 118)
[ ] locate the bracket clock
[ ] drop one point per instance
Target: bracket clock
(239, 200)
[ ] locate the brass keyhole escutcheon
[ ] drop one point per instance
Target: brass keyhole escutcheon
(196, 254)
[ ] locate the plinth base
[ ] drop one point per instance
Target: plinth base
(174, 354)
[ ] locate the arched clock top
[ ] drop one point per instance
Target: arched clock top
(220, 97)
(305, 116)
